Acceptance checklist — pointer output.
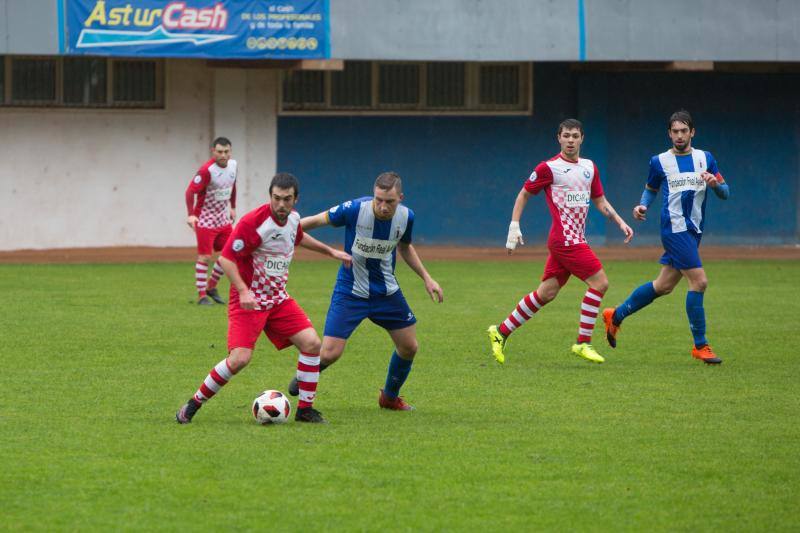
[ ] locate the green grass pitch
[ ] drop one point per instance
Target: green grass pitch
(97, 358)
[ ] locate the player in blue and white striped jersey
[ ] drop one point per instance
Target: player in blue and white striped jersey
(685, 175)
(375, 229)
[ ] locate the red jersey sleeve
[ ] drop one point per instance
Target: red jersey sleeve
(189, 197)
(243, 240)
(197, 187)
(597, 186)
(540, 178)
(299, 236)
(200, 181)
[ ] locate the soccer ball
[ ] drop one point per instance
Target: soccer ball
(271, 407)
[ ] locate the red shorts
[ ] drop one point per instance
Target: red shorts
(578, 260)
(211, 240)
(279, 323)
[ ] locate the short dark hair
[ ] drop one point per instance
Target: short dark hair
(284, 180)
(222, 141)
(681, 116)
(389, 180)
(570, 124)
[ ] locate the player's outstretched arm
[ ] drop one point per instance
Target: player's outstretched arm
(247, 299)
(610, 213)
(410, 256)
(514, 233)
(314, 221)
(313, 244)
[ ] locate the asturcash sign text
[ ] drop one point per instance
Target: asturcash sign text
(129, 28)
(174, 16)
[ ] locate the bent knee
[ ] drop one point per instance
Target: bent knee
(239, 361)
(546, 295)
(312, 345)
(600, 286)
(316, 346)
(663, 288)
(408, 350)
(662, 291)
(328, 355)
(329, 358)
(700, 285)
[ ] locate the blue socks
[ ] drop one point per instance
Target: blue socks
(398, 372)
(645, 294)
(639, 298)
(697, 317)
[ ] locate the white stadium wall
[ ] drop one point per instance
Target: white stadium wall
(89, 178)
(245, 111)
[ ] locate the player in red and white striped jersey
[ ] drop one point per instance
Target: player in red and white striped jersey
(257, 258)
(569, 183)
(211, 207)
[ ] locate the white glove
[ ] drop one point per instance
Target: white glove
(514, 236)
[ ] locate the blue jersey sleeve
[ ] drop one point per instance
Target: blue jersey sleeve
(342, 214)
(712, 164)
(406, 238)
(656, 175)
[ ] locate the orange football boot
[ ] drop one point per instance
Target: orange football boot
(395, 404)
(707, 355)
(611, 328)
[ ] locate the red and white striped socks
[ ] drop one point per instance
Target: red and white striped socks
(307, 378)
(526, 308)
(201, 278)
(215, 275)
(590, 307)
(214, 381)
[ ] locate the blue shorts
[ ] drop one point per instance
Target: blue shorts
(347, 311)
(681, 250)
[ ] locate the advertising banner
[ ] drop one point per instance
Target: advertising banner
(245, 29)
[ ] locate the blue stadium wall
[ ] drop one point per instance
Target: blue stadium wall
(461, 174)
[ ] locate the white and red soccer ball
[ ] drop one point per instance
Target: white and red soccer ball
(271, 407)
